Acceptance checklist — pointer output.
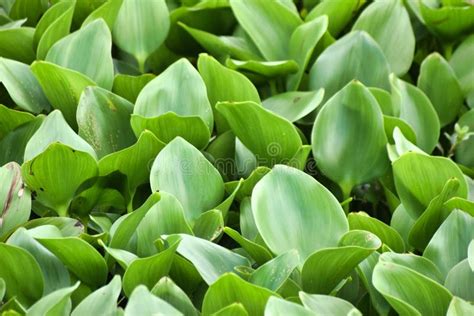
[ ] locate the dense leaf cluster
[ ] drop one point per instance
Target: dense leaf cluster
(236, 157)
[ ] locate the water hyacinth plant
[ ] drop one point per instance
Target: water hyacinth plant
(236, 157)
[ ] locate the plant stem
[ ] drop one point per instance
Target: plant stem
(346, 194)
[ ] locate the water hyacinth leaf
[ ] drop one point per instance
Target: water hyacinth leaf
(294, 105)
(280, 307)
(470, 254)
(446, 249)
(414, 293)
(273, 274)
(268, 69)
(180, 169)
(464, 152)
(107, 11)
(45, 175)
(319, 276)
(269, 27)
(459, 307)
(149, 270)
(438, 80)
(354, 56)
(168, 126)
(415, 263)
(209, 225)
(55, 130)
(258, 252)
(389, 24)
(419, 178)
(464, 70)
(122, 257)
(388, 235)
(210, 260)
(328, 305)
(164, 94)
(63, 87)
(302, 44)
(129, 87)
(224, 84)
(416, 109)
(272, 138)
(164, 218)
(57, 302)
(394, 127)
(247, 222)
(68, 227)
(2, 289)
(75, 50)
(79, 257)
(103, 119)
(252, 297)
(22, 275)
(141, 27)
(142, 302)
(55, 275)
(402, 144)
(22, 86)
(15, 199)
(222, 46)
(17, 44)
(103, 301)
(31, 10)
(167, 290)
(53, 26)
(339, 15)
(11, 119)
(314, 210)
(14, 143)
(460, 281)
(350, 120)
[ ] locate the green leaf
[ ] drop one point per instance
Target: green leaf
(258, 252)
(470, 255)
(55, 274)
(107, 11)
(224, 84)
(268, 69)
(302, 44)
(55, 303)
(129, 87)
(413, 106)
(17, 43)
(22, 275)
(354, 56)
(273, 274)
(464, 152)
(294, 105)
(79, 257)
(30, 9)
(319, 274)
(22, 86)
(209, 225)
(2, 289)
(389, 25)
(328, 305)
(280, 307)
(419, 178)
(167, 290)
(234, 309)
(438, 80)
(459, 307)
(62, 87)
(447, 249)
(387, 234)
(339, 14)
(152, 226)
(149, 270)
(53, 26)
(460, 281)
(144, 303)
(348, 121)
(287, 198)
(410, 292)
(45, 175)
(103, 119)
(269, 27)
(77, 49)
(15, 199)
(102, 301)
(459, 61)
(141, 27)
(180, 169)
(252, 297)
(271, 138)
(11, 119)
